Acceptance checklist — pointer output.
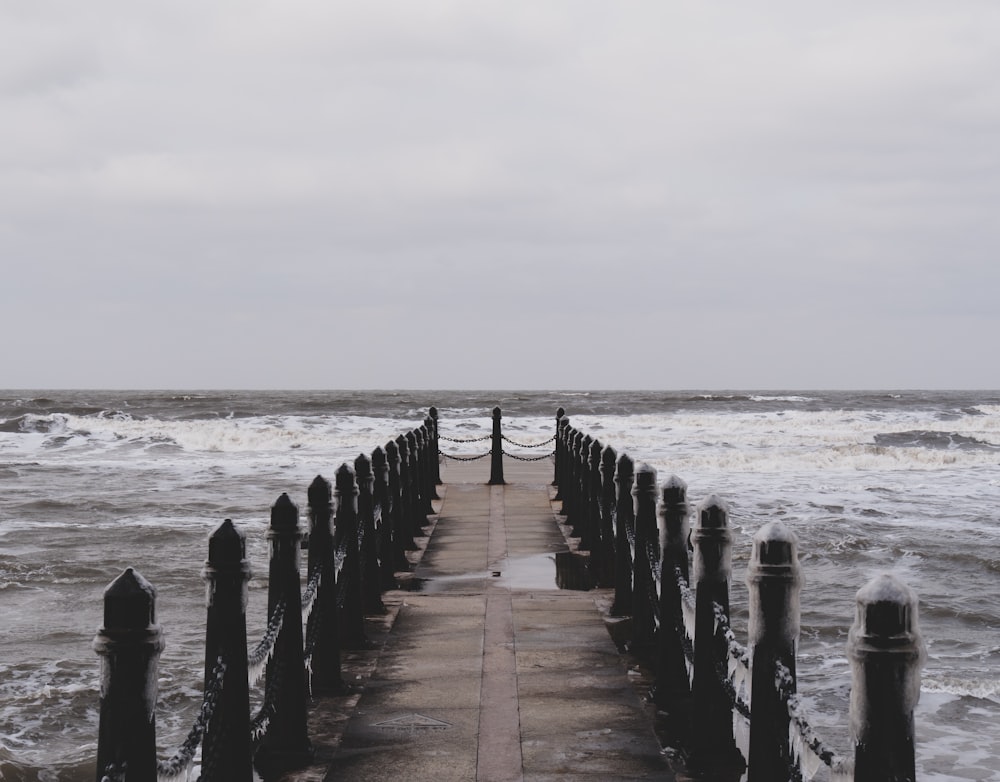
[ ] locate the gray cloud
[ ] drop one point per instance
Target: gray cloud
(713, 195)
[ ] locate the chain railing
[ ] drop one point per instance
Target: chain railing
(681, 625)
(377, 512)
(498, 439)
(179, 763)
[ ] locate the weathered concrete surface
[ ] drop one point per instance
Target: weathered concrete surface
(487, 671)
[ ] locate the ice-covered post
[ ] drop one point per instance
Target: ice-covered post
(774, 580)
(557, 448)
(592, 508)
(496, 452)
(286, 744)
(408, 508)
(567, 487)
(129, 643)
(624, 476)
(606, 524)
(427, 489)
(562, 434)
(430, 459)
(646, 545)
(712, 740)
(324, 618)
(886, 653)
(345, 536)
(421, 506)
(435, 446)
(383, 513)
(226, 751)
(578, 519)
(371, 586)
(672, 680)
(402, 533)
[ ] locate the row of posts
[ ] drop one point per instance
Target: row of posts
(368, 521)
(639, 542)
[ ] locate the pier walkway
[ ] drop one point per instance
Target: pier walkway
(486, 670)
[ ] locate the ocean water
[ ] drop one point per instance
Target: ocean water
(92, 482)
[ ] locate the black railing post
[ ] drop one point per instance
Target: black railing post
(646, 544)
(577, 518)
(624, 477)
(886, 653)
(371, 582)
(383, 512)
(419, 508)
(774, 579)
(402, 540)
(496, 452)
(567, 488)
(324, 619)
(129, 643)
(408, 507)
(286, 744)
(563, 434)
(712, 740)
(436, 447)
(606, 522)
(592, 521)
(428, 490)
(346, 539)
(672, 681)
(227, 755)
(588, 496)
(430, 461)
(557, 448)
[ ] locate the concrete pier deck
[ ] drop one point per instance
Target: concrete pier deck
(485, 669)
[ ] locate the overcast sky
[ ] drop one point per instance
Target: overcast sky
(317, 194)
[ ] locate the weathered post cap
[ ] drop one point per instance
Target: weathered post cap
(392, 451)
(673, 517)
(775, 554)
(346, 481)
(645, 479)
(496, 412)
(433, 412)
(284, 514)
(713, 513)
(378, 458)
(363, 467)
(227, 545)
(775, 544)
(129, 603)
(608, 459)
(886, 615)
(595, 453)
(713, 542)
(674, 491)
(625, 469)
(319, 492)
(560, 413)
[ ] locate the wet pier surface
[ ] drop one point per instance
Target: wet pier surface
(485, 669)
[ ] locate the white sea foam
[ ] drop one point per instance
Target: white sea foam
(919, 501)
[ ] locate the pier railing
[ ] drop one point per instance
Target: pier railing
(359, 532)
(674, 583)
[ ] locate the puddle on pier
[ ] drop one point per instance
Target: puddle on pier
(559, 570)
